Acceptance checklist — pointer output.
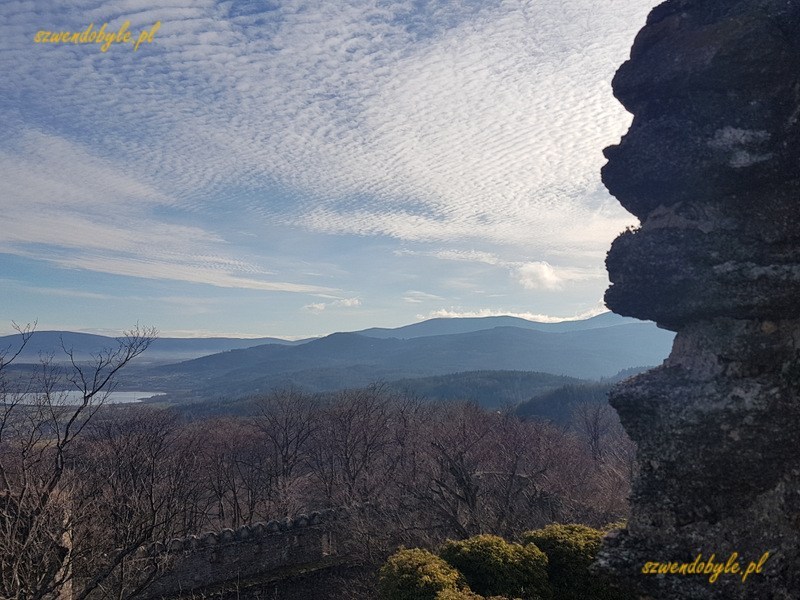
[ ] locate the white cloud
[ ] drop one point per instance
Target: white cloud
(54, 291)
(497, 129)
(348, 302)
(319, 307)
(542, 275)
(454, 313)
(66, 206)
(538, 275)
(489, 126)
(472, 256)
(417, 297)
(316, 308)
(532, 275)
(470, 124)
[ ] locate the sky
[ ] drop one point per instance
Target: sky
(290, 168)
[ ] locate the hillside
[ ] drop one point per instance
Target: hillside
(204, 368)
(489, 389)
(352, 360)
(162, 350)
(557, 405)
(440, 326)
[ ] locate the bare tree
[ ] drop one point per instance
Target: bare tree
(516, 498)
(613, 453)
(235, 472)
(594, 421)
(287, 419)
(133, 480)
(350, 456)
(457, 452)
(39, 425)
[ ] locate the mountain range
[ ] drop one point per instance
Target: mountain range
(162, 350)
(449, 326)
(594, 348)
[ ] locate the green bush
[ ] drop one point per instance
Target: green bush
(454, 594)
(414, 574)
(571, 549)
(466, 594)
(493, 566)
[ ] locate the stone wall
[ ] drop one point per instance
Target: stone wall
(248, 557)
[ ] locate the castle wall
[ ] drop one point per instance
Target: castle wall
(247, 557)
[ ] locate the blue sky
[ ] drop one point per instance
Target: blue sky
(291, 168)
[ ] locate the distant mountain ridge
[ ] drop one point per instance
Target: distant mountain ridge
(170, 349)
(448, 326)
(351, 359)
(228, 367)
(162, 349)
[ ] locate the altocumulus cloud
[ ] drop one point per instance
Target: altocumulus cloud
(477, 123)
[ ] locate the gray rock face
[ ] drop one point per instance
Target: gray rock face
(711, 167)
(710, 164)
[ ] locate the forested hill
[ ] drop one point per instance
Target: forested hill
(163, 349)
(352, 360)
(489, 389)
(444, 326)
(229, 367)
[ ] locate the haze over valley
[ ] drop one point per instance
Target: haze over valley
(410, 357)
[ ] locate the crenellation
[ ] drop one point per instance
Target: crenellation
(273, 527)
(226, 535)
(251, 552)
(243, 533)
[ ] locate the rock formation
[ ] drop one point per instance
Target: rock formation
(711, 167)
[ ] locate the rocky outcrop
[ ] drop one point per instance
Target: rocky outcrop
(711, 167)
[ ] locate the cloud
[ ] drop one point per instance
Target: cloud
(456, 313)
(417, 297)
(315, 308)
(532, 275)
(414, 121)
(476, 126)
(538, 275)
(348, 302)
(472, 256)
(496, 129)
(319, 307)
(543, 275)
(64, 205)
(53, 291)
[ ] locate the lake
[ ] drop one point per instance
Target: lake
(73, 397)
